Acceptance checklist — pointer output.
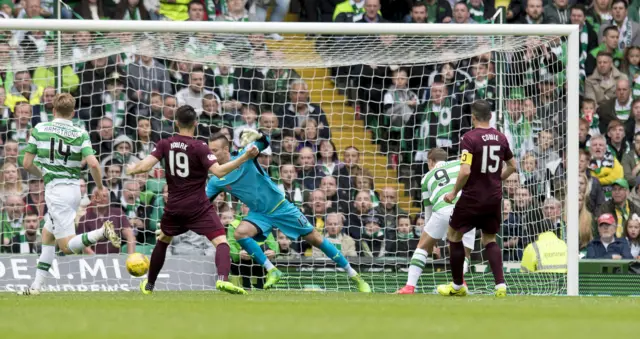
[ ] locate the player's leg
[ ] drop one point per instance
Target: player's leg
(494, 256)
(468, 241)
(255, 225)
(435, 229)
(315, 239)
(157, 258)
(211, 227)
(77, 243)
(44, 263)
(459, 225)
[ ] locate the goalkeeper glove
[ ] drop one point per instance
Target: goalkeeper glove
(248, 136)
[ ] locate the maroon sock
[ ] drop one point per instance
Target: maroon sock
(492, 253)
(223, 261)
(457, 261)
(156, 262)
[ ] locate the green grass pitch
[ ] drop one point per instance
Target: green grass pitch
(306, 315)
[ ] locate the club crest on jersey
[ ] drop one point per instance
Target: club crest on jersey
(228, 187)
(211, 157)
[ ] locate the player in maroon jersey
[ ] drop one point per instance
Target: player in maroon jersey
(484, 149)
(187, 163)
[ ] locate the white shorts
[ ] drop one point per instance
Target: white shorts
(62, 201)
(438, 225)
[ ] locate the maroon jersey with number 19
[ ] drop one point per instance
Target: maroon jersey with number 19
(480, 202)
(186, 167)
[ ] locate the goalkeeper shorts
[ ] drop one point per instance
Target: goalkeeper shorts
(287, 218)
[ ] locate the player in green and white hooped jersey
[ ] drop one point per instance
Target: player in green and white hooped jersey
(439, 181)
(55, 152)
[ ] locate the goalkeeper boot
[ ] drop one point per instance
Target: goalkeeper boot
(362, 285)
(110, 234)
(407, 290)
(449, 291)
(501, 291)
(144, 288)
(226, 286)
(273, 276)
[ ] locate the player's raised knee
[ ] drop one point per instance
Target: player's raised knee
(244, 230)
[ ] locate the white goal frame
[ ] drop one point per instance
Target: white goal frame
(572, 68)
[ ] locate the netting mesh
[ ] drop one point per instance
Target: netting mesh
(352, 119)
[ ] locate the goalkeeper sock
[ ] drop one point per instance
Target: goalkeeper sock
(255, 252)
(44, 263)
(80, 241)
(157, 261)
(492, 253)
(418, 261)
(332, 252)
(223, 261)
(457, 261)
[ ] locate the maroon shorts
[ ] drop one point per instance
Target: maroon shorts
(467, 215)
(206, 223)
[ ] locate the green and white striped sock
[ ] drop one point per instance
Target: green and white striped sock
(44, 263)
(80, 241)
(418, 261)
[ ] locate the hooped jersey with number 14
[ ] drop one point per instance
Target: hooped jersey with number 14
(59, 148)
(438, 182)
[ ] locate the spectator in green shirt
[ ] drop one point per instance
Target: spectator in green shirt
(11, 222)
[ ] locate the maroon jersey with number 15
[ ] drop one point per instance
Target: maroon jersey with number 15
(484, 149)
(186, 166)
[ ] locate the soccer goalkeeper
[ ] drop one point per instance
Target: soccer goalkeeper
(267, 208)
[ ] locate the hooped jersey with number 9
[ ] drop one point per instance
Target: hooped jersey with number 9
(438, 182)
(59, 148)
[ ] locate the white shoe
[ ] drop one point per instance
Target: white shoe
(29, 291)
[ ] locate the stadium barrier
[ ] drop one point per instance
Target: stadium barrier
(107, 273)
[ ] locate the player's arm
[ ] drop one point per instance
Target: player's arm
(29, 166)
(221, 170)
(509, 169)
(92, 163)
(94, 169)
(142, 166)
(428, 210)
(30, 155)
(465, 171)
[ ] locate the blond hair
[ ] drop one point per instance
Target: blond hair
(585, 219)
(64, 105)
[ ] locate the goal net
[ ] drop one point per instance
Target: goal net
(352, 119)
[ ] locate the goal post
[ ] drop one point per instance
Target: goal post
(414, 44)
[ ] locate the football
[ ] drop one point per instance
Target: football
(137, 264)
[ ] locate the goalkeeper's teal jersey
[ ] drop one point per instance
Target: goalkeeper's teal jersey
(438, 182)
(250, 183)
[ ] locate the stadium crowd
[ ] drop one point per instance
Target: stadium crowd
(127, 102)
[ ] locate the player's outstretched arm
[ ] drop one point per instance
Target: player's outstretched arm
(29, 166)
(509, 169)
(142, 166)
(94, 169)
(221, 170)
